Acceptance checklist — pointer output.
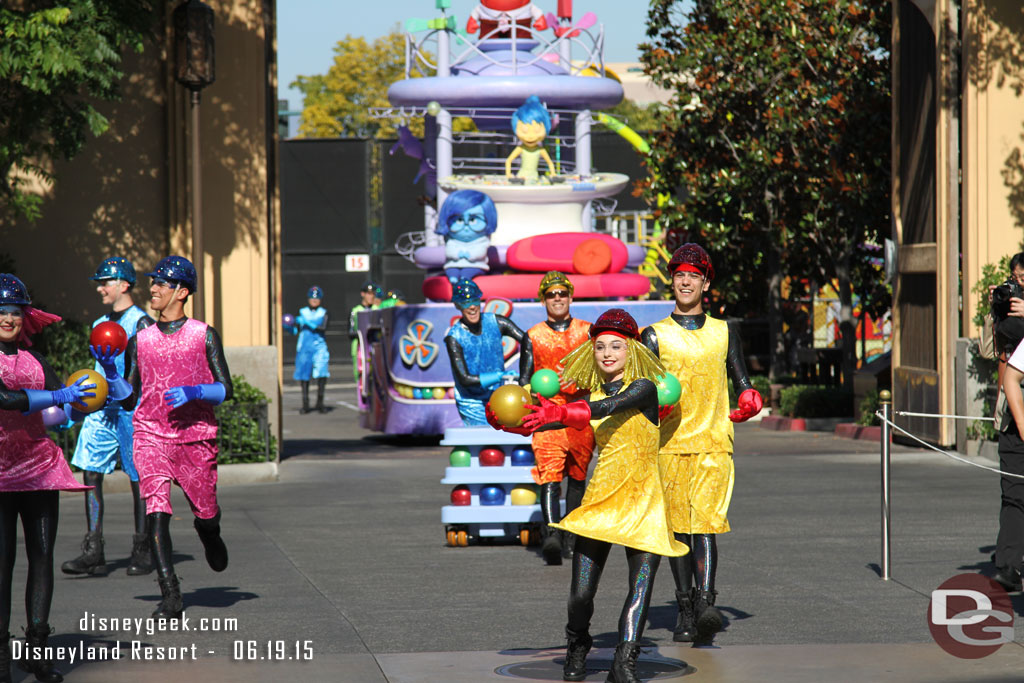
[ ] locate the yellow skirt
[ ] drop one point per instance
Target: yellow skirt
(698, 489)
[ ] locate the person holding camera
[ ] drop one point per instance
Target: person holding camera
(998, 335)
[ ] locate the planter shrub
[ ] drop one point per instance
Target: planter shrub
(810, 401)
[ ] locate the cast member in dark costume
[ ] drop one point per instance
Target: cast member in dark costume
(107, 434)
(177, 373)
(32, 471)
(563, 452)
(624, 502)
(697, 438)
(474, 348)
(311, 354)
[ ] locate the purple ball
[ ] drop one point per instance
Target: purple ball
(288, 320)
(53, 416)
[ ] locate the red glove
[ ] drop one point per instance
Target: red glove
(472, 26)
(665, 411)
(748, 405)
(541, 24)
(575, 414)
(493, 421)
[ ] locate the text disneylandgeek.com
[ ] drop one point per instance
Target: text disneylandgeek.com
(140, 650)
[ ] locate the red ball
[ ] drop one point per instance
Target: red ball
(461, 495)
(492, 457)
(109, 334)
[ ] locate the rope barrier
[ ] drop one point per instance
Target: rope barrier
(950, 417)
(948, 454)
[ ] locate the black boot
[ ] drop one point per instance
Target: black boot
(209, 534)
(709, 618)
(624, 665)
(684, 631)
(551, 546)
(321, 384)
(142, 555)
(34, 662)
(305, 398)
(5, 657)
(91, 561)
(170, 605)
(576, 648)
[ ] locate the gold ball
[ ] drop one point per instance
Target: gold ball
(885, 395)
(508, 403)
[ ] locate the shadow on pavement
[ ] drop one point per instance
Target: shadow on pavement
(372, 445)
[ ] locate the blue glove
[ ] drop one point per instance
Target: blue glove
(118, 387)
(214, 394)
(509, 374)
(489, 379)
(39, 399)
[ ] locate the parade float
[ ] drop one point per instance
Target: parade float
(543, 221)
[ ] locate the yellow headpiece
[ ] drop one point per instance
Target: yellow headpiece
(551, 279)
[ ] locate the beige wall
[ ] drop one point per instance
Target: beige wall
(993, 140)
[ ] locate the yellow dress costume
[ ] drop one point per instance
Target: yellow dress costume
(624, 502)
(695, 460)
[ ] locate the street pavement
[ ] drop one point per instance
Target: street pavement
(339, 572)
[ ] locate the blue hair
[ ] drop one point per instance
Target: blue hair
(458, 203)
(532, 111)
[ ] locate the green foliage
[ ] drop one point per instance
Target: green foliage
(991, 274)
(761, 383)
(775, 151)
(808, 401)
(642, 118)
(868, 406)
(65, 345)
(242, 433)
(55, 64)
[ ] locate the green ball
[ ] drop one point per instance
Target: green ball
(669, 389)
(460, 457)
(545, 383)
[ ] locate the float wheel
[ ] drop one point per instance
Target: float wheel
(462, 538)
(524, 536)
(451, 538)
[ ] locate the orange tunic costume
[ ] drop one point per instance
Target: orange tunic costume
(560, 452)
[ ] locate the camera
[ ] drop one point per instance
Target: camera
(1001, 296)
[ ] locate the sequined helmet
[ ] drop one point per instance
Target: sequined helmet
(315, 292)
(692, 257)
(551, 279)
(369, 286)
(115, 268)
(615, 321)
(466, 293)
(13, 290)
(176, 268)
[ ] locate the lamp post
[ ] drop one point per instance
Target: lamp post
(194, 69)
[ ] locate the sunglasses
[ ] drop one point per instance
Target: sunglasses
(557, 294)
(161, 282)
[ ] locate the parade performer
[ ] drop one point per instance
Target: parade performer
(366, 296)
(697, 437)
(494, 18)
(311, 354)
(176, 373)
(32, 471)
(466, 222)
(474, 348)
(563, 452)
(531, 123)
(624, 503)
(107, 433)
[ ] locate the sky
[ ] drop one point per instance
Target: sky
(307, 30)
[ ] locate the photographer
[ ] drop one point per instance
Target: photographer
(1010, 541)
(998, 338)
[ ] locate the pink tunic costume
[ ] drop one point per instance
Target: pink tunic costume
(175, 444)
(29, 460)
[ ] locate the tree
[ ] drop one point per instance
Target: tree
(55, 63)
(776, 146)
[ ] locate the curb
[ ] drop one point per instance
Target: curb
(850, 430)
(227, 475)
(784, 424)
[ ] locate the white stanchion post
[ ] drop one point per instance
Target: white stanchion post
(885, 398)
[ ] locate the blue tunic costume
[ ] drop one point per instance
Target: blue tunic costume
(108, 432)
(311, 355)
(482, 354)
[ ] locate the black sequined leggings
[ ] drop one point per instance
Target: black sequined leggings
(699, 566)
(588, 562)
(39, 512)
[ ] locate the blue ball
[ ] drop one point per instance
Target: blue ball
(417, 392)
(522, 457)
(492, 495)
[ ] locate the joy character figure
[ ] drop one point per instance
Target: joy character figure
(467, 220)
(494, 18)
(531, 124)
